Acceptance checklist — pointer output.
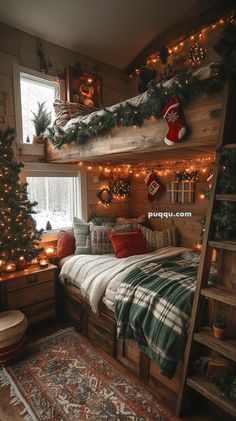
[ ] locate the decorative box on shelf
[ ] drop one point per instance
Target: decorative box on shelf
(181, 191)
(31, 290)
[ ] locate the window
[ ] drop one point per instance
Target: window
(34, 90)
(58, 197)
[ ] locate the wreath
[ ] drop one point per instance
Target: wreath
(105, 196)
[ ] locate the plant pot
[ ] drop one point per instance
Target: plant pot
(219, 333)
(38, 140)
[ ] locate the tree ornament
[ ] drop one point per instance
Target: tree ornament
(154, 186)
(177, 129)
(196, 54)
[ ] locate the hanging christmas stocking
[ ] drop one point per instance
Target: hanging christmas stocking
(177, 129)
(153, 186)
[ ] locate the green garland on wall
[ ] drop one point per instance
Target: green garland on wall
(185, 86)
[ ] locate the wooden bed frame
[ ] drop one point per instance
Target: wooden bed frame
(100, 329)
(145, 143)
(132, 145)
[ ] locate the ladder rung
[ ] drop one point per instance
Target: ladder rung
(223, 244)
(213, 393)
(230, 145)
(219, 293)
(225, 347)
(229, 197)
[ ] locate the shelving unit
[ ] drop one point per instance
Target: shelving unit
(222, 294)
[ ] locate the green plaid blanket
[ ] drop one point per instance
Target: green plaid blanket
(153, 305)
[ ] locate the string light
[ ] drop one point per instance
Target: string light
(202, 33)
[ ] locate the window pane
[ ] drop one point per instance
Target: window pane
(55, 200)
(32, 92)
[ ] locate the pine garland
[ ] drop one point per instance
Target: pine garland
(185, 86)
(18, 238)
(225, 221)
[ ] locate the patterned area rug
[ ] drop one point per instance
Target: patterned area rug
(62, 378)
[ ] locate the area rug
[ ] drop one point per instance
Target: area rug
(64, 378)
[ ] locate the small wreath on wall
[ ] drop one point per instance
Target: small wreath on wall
(105, 196)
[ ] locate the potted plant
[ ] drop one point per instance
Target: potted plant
(41, 121)
(219, 326)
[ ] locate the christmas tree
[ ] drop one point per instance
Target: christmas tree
(18, 236)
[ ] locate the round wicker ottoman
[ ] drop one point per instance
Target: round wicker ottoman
(13, 325)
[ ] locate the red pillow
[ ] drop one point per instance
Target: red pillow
(128, 243)
(65, 243)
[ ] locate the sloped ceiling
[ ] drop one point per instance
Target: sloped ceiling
(112, 31)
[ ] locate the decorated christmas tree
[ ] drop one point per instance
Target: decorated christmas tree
(18, 236)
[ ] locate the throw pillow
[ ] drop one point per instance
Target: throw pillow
(82, 237)
(128, 227)
(128, 243)
(99, 220)
(159, 239)
(100, 242)
(139, 220)
(66, 110)
(65, 243)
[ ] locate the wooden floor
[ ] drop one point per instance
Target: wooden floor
(12, 413)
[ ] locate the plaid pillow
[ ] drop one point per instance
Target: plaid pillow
(100, 242)
(66, 110)
(159, 239)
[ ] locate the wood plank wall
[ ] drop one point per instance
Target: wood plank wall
(116, 208)
(189, 228)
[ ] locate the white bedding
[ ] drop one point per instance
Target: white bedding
(97, 275)
(203, 72)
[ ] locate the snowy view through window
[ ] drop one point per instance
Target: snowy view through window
(34, 90)
(55, 200)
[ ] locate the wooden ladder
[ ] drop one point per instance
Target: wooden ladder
(197, 333)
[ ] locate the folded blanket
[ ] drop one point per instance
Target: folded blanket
(93, 273)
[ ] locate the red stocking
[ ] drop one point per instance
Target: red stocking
(177, 129)
(153, 186)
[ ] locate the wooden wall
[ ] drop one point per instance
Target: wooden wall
(116, 208)
(189, 228)
(19, 48)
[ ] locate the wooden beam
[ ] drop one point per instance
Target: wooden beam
(197, 16)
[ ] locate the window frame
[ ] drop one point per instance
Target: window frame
(59, 170)
(17, 70)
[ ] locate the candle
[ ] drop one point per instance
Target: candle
(50, 251)
(21, 262)
(10, 267)
(43, 263)
(2, 265)
(35, 261)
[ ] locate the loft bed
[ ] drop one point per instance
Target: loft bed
(129, 144)
(145, 142)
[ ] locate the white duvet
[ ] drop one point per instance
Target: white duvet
(97, 275)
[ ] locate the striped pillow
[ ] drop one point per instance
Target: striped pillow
(159, 239)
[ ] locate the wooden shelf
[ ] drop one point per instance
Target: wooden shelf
(223, 244)
(219, 293)
(224, 347)
(230, 146)
(229, 197)
(213, 393)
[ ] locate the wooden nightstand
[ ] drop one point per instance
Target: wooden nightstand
(31, 290)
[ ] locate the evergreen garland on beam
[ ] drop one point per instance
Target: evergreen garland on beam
(185, 86)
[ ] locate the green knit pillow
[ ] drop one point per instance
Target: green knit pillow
(82, 236)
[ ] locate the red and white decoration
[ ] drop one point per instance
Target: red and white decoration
(154, 186)
(177, 129)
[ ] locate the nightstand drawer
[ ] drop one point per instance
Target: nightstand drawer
(31, 279)
(31, 295)
(39, 312)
